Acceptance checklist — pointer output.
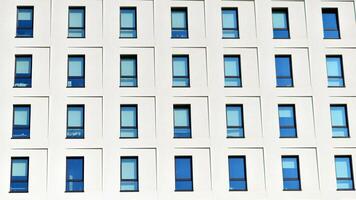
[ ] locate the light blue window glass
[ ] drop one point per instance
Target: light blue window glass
(76, 22)
(180, 71)
(335, 71)
(75, 121)
(284, 71)
(232, 71)
(183, 173)
(23, 71)
(339, 121)
(234, 121)
(21, 122)
(24, 26)
(128, 121)
(179, 22)
(291, 177)
(287, 123)
(128, 22)
(128, 71)
(280, 23)
(75, 174)
(344, 174)
(230, 23)
(76, 71)
(237, 173)
(19, 174)
(129, 174)
(331, 23)
(182, 128)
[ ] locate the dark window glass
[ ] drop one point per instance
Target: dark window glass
(129, 174)
(180, 71)
(76, 71)
(232, 71)
(75, 174)
(23, 71)
(21, 121)
(24, 26)
(183, 173)
(291, 177)
(237, 173)
(128, 121)
(182, 126)
(331, 23)
(75, 121)
(234, 121)
(179, 20)
(128, 71)
(339, 121)
(284, 71)
(19, 174)
(335, 71)
(287, 123)
(230, 23)
(344, 173)
(76, 22)
(280, 23)
(128, 23)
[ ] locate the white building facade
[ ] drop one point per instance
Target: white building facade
(282, 67)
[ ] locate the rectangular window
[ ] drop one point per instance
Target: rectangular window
(232, 71)
(129, 174)
(291, 177)
(75, 121)
(128, 123)
(180, 70)
(339, 121)
(76, 22)
(284, 72)
(287, 122)
(331, 23)
(24, 25)
(128, 22)
(179, 20)
(280, 23)
(335, 71)
(237, 173)
(182, 126)
(230, 23)
(183, 173)
(128, 71)
(75, 174)
(76, 71)
(21, 122)
(19, 174)
(234, 121)
(344, 173)
(23, 71)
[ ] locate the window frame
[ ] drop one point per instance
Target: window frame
(335, 11)
(70, 127)
(290, 70)
(182, 106)
(230, 29)
(242, 120)
(32, 24)
(238, 179)
(181, 179)
(131, 8)
(135, 78)
(294, 121)
(79, 180)
(351, 172)
(22, 181)
(283, 10)
(129, 127)
(23, 77)
(239, 78)
(341, 69)
(180, 9)
(70, 78)
(292, 179)
(188, 70)
(77, 28)
(131, 180)
(347, 121)
(19, 126)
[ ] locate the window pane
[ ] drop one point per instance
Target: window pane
(24, 14)
(343, 168)
(19, 168)
(280, 20)
(23, 65)
(283, 66)
(75, 168)
(229, 18)
(128, 116)
(76, 17)
(338, 116)
(128, 17)
(237, 167)
(22, 115)
(180, 66)
(128, 67)
(234, 115)
(231, 66)
(76, 66)
(330, 20)
(179, 19)
(334, 66)
(286, 115)
(183, 173)
(75, 116)
(128, 167)
(181, 117)
(291, 179)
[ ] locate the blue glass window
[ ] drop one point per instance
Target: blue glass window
(75, 121)
(179, 20)
(24, 27)
(284, 72)
(129, 174)
(76, 71)
(182, 127)
(291, 177)
(75, 174)
(128, 71)
(23, 71)
(335, 71)
(230, 23)
(19, 174)
(287, 123)
(331, 23)
(128, 121)
(234, 121)
(232, 71)
(237, 173)
(339, 121)
(76, 22)
(183, 173)
(344, 174)
(280, 23)
(21, 121)
(180, 71)
(128, 22)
